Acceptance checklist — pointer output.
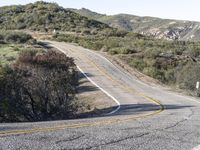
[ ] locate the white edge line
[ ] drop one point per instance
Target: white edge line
(114, 111)
(104, 91)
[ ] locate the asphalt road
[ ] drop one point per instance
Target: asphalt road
(146, 117)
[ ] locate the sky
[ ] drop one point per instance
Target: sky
(169, 9)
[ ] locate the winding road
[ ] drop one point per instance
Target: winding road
(145, 117)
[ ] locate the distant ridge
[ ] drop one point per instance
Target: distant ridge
(160, 28)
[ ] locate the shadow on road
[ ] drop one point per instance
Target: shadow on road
(82, 88)
(132, 109)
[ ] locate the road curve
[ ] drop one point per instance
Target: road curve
(145, 117)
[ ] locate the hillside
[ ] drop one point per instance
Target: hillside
(159, 28)
(43, 16)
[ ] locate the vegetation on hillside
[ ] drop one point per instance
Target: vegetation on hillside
(167, 61)
(15, 37)
(43, 16)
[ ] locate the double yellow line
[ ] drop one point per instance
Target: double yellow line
(107, 122)
(74, 126)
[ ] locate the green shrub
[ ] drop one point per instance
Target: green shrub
(188, 76)
(17, 37)
(154, 72)
(152, 53)
(170, 76)
(38, 87)
(138, 63)
(114, 51)
(14, 37)
(195, 52)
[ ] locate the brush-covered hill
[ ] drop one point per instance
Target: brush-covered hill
(42, 16)
(157, 27)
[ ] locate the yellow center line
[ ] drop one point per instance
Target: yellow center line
(74, 126)
(111, 121)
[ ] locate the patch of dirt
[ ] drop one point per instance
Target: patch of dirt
(94, 101)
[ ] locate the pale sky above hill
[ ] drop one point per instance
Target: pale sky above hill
(172, 9)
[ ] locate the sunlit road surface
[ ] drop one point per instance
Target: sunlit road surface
(145, 117)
